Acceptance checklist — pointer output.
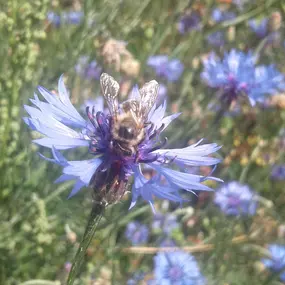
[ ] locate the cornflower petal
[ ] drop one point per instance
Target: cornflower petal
(183, 180)
(237, 74)
(192, 155)
(114, 160)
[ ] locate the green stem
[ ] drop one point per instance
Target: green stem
(94, 219)
(246, 169)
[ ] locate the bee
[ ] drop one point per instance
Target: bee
(129, 120)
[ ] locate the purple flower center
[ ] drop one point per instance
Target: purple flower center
(233, 201)
(231, 77)
(175, 273)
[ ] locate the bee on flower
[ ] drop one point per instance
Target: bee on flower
(122, 140)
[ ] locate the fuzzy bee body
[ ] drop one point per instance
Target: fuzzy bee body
(127, 133)
(126, 124)
(128, 120)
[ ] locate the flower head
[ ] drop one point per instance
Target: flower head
(219, 15)
(67, 18)
(137, 233)
(236, 199)
(277, 261)
(189, 22)
(260, 28)
(167, 223)
(97, 103)
(121, 143)
(237, 75)
(278, 172)
(88, 70)
(67, 266)
(170, 69)
(137, 276)
(216, 39)
(177, 268)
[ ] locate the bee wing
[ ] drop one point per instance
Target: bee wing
(148, 97)
(110, 89)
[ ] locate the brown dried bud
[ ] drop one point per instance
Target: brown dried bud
(131, 67)
(113, 51)
(275, 21)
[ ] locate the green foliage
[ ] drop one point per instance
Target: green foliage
(40, 229)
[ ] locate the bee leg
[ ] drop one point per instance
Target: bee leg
(125, 150)
(162, 144)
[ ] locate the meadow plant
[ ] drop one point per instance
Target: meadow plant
(157, 205)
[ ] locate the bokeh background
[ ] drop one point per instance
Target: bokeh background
(40, 229)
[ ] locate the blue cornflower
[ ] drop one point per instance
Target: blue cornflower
(162, 93)
(53, 18)
(236, 199)
(216, 39)
(98, 103)
(165, 222)
(240, 3)
(237, 75)
(189, 22)
(177, 268)
(278, 172)
(267, 80)
(137, 233)
(277, 261)
(170, 69)
(71, 17)
(88, 70)
(219, 15)
(260, 28)
(136, 278)
(114, 160)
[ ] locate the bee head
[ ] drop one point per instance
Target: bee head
(127, 132)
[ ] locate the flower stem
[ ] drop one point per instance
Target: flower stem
(93, 221)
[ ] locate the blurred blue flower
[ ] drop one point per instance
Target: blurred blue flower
(63, 128)
(137, 233)
(240, 3)
(136, 278)
(88, 70)
(177, 268)
(278, 172)
(53, 18)
(167, 223)
(98, 103)
(237, 75)
(236, 199)
(167, 242)
(162, 93)
(216, 39)
(170, 69)
(72, 17)
(189, 22)
(67, 266)
(67, 18)
(267, 80)
(277, 261)
(260, 28)
(219, 15)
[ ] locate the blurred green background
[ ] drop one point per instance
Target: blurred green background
(40, 229)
